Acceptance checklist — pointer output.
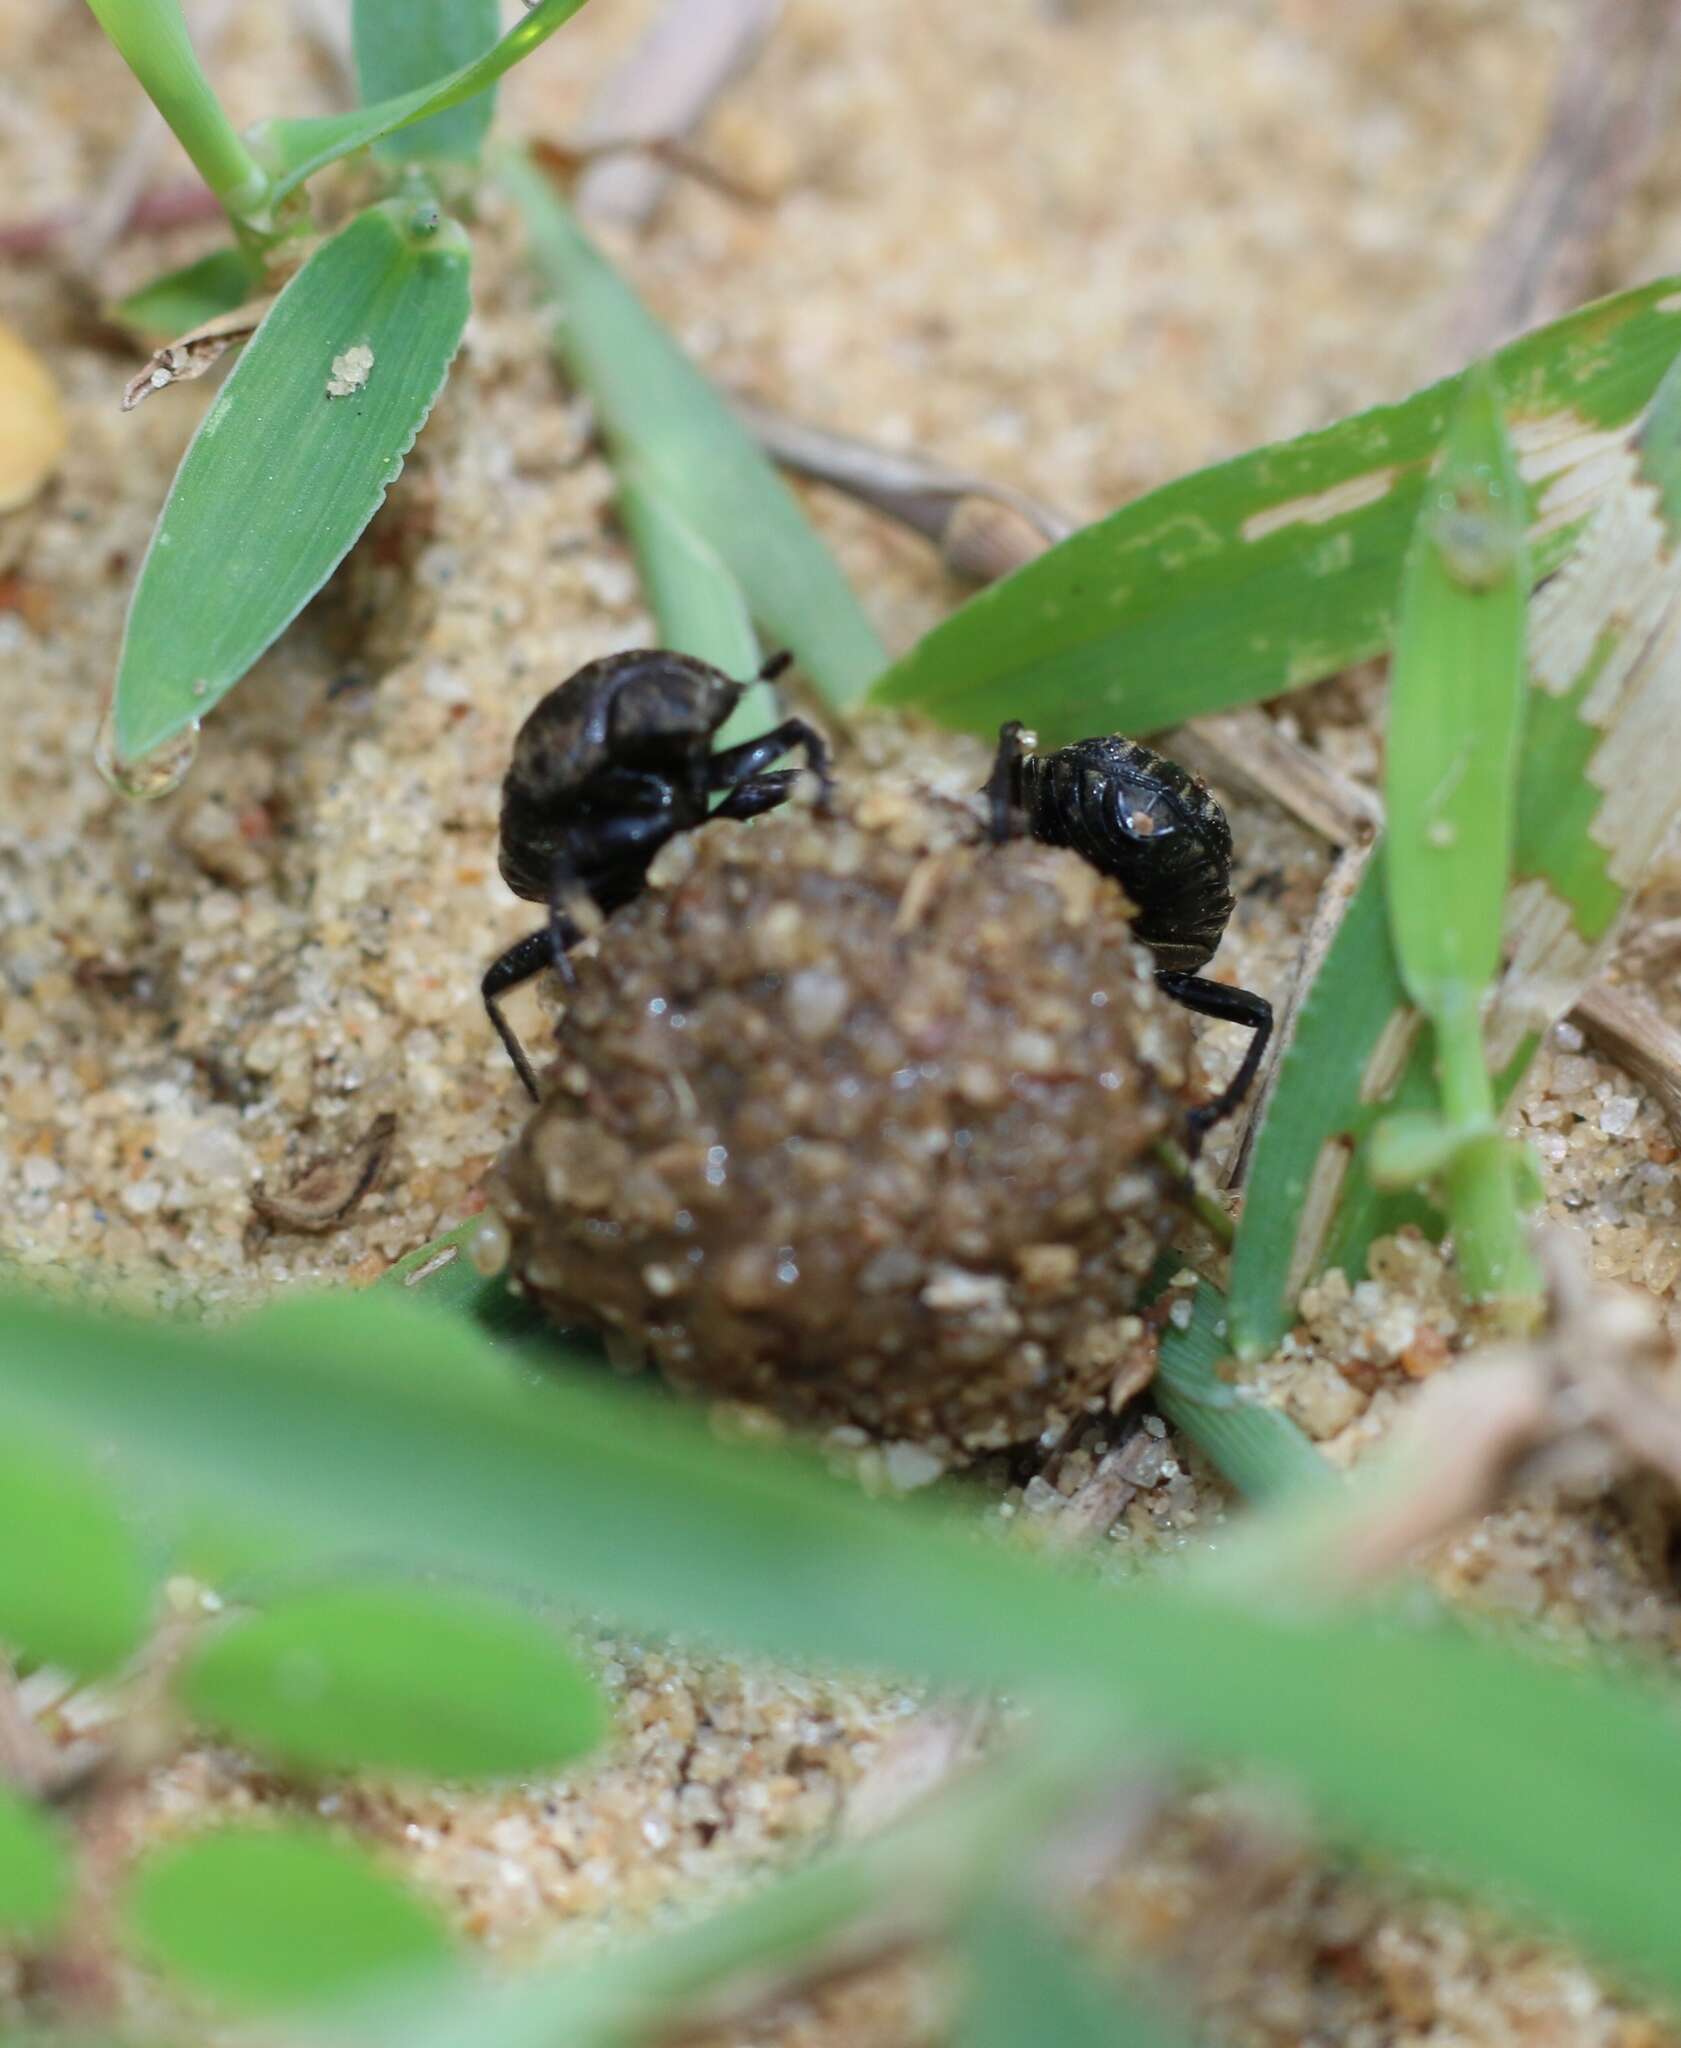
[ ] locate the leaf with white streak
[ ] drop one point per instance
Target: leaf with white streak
(1599, 784)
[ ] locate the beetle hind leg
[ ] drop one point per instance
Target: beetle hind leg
(1228, 1006)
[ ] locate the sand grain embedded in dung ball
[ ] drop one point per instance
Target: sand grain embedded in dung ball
(852, 1116)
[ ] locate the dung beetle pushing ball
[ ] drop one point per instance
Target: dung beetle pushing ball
(1160, 834)
(609, 766)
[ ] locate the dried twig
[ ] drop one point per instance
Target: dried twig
(118, 199)
(333, 1188)
(692, 51)
(1616, 83)
(194, 352)
(983, 529)
(1580, 1395)
(1634, 1033)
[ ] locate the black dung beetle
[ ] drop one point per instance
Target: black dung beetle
(1160, 834)
(610, 765)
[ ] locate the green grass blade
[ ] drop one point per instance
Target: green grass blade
(1359, 1051)
(402, 46)
(386, 1433)
(662, 418)
(152, 36)
(1029, 1986)
(296, 150)
(1277, 568)
(1599, 781)
(1456, 711)
(186, 298)
(697, 604)
(1456, 702)
(281, 478)
(1259, 1449)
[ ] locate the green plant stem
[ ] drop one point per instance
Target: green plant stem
(152, 38)
(1494, 1258)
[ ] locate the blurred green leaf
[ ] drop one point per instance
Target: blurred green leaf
(671, 432)
(402, 46)
(1456, 698)
(281, 477)
(1279, 567)
(396, 1678)
(186, 298)
(35, 1874)
(270, 1918)
(597, 1497)
(296, 150)
(73, 1589)
(1029, 1987)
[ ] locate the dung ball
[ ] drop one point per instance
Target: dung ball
(853, 1116)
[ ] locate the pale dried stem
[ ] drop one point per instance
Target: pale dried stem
(1579, 1398)
(688, 57)
(123, 191)
(1617, 80)
(1632, 1031)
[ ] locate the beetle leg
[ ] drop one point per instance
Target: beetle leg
(735, 765)
(524, 958)
(1230, 1006)
(757, 794)
(1003, 785)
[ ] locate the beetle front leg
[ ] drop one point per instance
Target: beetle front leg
(735, 765)
(1003, 785)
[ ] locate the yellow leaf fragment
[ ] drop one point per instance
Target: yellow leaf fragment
(32, 429)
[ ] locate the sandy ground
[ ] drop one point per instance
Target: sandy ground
(1090, 245)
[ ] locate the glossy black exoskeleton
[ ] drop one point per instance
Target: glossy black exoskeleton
(1159, 832)
(609, 766)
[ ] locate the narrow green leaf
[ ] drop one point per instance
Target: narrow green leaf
(73, 1590)
(697, 604)
(34, 1872)
(186, 298)
(1279, 567)
(1456, 698)
(270, 1918)
(281, 476)
(396, 1678)
(598, 1497)
(1259, 1449)
(441, 1275)
(402, 46)
(661, 415)
(296, 150)
(1028, 1986)
(1455, 720)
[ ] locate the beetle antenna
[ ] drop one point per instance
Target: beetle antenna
(776, 664)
